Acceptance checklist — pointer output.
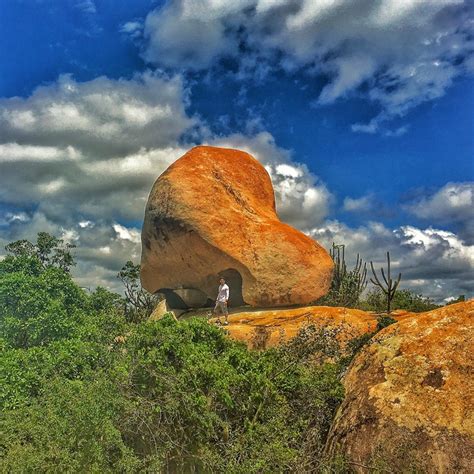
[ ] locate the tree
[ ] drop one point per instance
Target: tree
(102, 299)
(49, 250)
(139, 303)
(38, 309)
(21, 248)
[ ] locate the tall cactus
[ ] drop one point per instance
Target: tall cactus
(347, 286)
(340, 269)
(390, 286)
(360, 271)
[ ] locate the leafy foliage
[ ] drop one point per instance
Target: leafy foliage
(85, 389)
(403, 299)
(88, 384)
(139, 304)
(49, 250)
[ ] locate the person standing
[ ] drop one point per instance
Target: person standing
(221, 302)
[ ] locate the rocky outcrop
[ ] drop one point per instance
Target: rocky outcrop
(409, 397)
(211, 214)
(161, 309)
(268, 328)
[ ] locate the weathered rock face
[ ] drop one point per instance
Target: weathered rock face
(212, 213)
(409, 396)
(280, 325)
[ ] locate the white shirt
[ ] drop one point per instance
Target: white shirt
(223, 294)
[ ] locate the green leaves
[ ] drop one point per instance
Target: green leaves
(48, 250)
(38, 309)
(139, 304)
(84, 390)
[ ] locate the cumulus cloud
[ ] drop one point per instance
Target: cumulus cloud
(403, 52)
(91, 146)
(104, 116)
(367, 205)
(434, 262)
(362, 204)
(454, 202)
(79, 159)
(133, 29)
(451, 204)
(87, 6)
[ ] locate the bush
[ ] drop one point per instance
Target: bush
(403, 299)
(82, 389)
(71, 427)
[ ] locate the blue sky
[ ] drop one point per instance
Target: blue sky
(360, 110)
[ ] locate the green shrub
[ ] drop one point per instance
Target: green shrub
(384, 320)
(71, 427)
(83, 390)
(407, 300)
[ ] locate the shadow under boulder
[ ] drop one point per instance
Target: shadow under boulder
(184, 298)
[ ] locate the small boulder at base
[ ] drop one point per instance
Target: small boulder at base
(212, 213)
(184, 298)
(409, 397)
(161, 309)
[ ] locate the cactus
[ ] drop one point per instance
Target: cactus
(390, 286)
(347, 286)
(360, 272)
(340, 269)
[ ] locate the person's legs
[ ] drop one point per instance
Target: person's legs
(226, 312)
(216, 312)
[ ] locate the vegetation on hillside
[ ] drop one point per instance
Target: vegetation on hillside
(87, 388)
(89, 385)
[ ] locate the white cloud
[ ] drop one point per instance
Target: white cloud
(124, 233)
(85, 182)
(11, 152)
(174, 31)
(406, 52)
(454, 202)
(362, 204)
(94, 147)
(87, 6)
(434, 262)
(134, 29)
(103, 116)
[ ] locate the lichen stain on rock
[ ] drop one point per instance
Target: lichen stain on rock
(417, 378)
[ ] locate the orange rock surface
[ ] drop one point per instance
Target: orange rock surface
(213, 213)
(410, 396)
(282, 324)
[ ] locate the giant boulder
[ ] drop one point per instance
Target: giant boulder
(409, 397)
(212, 213)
